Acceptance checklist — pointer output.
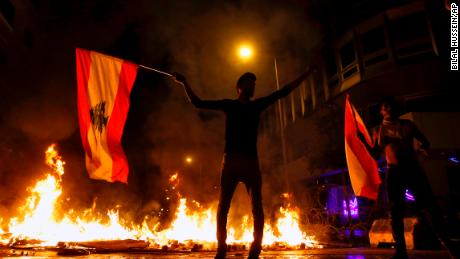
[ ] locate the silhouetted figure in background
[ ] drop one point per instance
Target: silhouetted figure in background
(240, 163)
(394, 138)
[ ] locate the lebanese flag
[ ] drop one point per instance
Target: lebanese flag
(104, 84)
(362, 167)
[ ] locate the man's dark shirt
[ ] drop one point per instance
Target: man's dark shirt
(242, 120)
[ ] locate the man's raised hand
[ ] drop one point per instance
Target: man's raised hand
(179, 78)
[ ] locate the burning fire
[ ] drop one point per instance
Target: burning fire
(39, 222)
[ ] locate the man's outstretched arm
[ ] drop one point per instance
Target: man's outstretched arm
(285, 90)
(194, 99)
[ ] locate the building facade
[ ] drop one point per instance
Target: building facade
(374, 49)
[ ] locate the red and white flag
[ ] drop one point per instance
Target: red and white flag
(104, 84)
(362, 167)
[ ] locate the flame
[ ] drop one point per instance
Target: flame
(174, 178)
(39, 221)
(3, 239)
(54, 160)
(198, 226)
(288, 230)
(39, 214)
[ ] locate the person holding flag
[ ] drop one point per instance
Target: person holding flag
(240, 162)
(394, 137)
(104, 84)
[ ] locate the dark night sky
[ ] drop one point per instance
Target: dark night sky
(197, 38)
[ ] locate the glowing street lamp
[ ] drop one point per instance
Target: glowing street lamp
(245, 52)
(189, 160)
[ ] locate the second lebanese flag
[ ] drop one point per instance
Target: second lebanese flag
(362, 167)
(104, 84)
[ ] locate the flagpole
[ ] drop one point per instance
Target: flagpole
(156, 70)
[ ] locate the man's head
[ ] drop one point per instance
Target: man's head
(389, 107)
(246, 84)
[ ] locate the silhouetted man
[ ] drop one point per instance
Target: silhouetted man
(394, 138)
(240, 158)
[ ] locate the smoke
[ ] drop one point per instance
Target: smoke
(196, 38)
(204, 45)
(43, 119)
(202, 42)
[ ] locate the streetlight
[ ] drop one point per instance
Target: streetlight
(245, 51)
(189, 160)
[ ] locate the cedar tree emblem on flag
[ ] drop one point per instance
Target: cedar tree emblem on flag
(98, 117)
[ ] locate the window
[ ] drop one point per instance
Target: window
(331, 68)
(318, 85)
(409, 28)
(347, 54)
(411, 36)
(373, 41)
(373, 46)
(350, 71)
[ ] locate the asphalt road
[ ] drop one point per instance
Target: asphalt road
(353, 253)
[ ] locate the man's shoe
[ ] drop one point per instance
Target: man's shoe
(254, 251)
(220, 255)
(221, 252)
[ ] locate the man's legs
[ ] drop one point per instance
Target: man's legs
(424, 198)
(427, 207)
(227, 188)
(254, 188)
(396, 196)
